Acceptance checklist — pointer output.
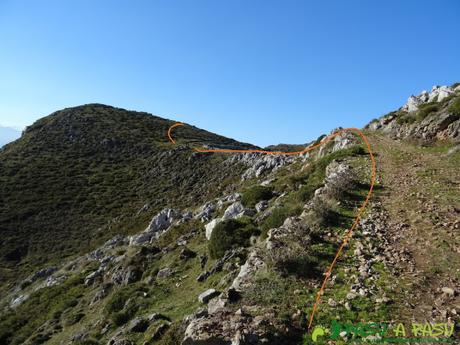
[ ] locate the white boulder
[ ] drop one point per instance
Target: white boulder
(210, 227)
(261, 205)
(162, 221)
(234, 210)
(208, 295)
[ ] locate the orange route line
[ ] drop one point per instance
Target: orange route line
(171, 128)
(360, 212)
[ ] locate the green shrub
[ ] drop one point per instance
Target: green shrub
(120, 318)
(454, 108)
(278, 216)
(116, 302)
(426, 109)
(405, 119)
(319, 139)
(230, 233)
(255, 194)
(302, 265)
(324, 214)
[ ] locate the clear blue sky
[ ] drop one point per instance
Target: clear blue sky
(259, 71)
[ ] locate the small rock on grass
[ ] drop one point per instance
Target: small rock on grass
(448, 291)
(207, 295)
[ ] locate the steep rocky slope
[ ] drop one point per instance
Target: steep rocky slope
(241, 260)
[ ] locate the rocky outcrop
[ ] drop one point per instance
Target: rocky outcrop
(43, 273)
(219, 265)
(218, 325)
(227, 328)
(125, 276)
(437, 94)
(205, 213)
(259, 165)
(227, 199)
(160, 223)
(236, 210)
(341, 141)
(18, 300)
(261, 205)
(253, 264)
(440, 124)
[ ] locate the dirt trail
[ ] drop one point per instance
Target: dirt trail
(421, 193)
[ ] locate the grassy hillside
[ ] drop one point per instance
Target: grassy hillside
(104, 309)
(81, 175)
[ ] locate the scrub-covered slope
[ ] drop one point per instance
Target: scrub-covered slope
(81, 175)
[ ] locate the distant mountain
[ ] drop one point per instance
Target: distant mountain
(8, 134)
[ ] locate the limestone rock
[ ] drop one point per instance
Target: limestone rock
(91, 278)
(162, 221)
(260, 164)
(206, 211)
(261, 206)
(207, 295)
(437, 94)
(253, 264)
(210, 227)
(164, 273)
(235, 210)
(43, 273)
(125, 276)
(17, 301)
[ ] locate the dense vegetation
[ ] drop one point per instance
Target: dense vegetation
(231, 233)
(426, 109)
(255, 194)
(454, 108)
